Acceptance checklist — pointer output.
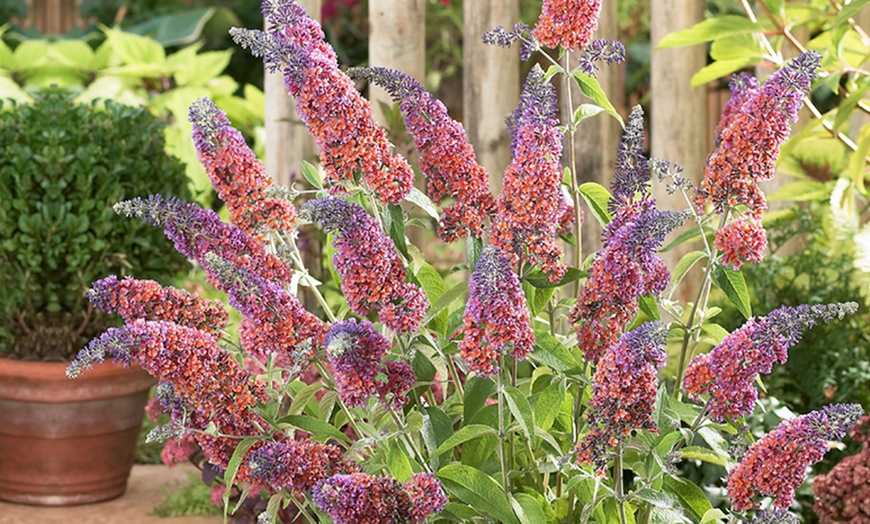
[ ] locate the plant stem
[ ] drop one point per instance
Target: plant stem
(502, 447)
(617, 483)
(302, 509)
(451, 368)
(783, 30)
(403, 431)
(328, 381)
(703, 296)
(575, 183)
(312, 285)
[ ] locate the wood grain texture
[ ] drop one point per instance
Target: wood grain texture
(491, 84)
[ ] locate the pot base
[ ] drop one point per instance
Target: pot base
(75, 447)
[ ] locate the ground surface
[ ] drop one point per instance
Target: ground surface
(144, 491)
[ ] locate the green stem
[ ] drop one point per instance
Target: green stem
(302, 509)
(312, 285)
(617, 483)
(502, 447)
(451, 368)
(700, 303)
(575, 182)
(327, 379)
(403, 432)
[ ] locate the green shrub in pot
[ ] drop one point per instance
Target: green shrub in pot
(62, 167)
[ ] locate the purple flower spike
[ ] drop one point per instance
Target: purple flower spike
(623, 392)
(496, 318)
(372, 275)
(356, 352)
(776, 465)
(728, 372)
(600, 50)
(446, 157)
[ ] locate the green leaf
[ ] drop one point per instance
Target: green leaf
(470, 432)
(548, 404)
(549, 351)
(134, 49)
(477, 390)
(552, 71)
(847, 106)
(592, 89)
(202, 68)
(419, 199)
(521, 410)
(528, 509)
(542, 297)
(721, 68)
(849, 10)
(691, 497)
(319, 429)
(398, 464)
(711, 29)
(233, 466)
(692, 235)
(715, 332)
(312, 175)
(585, 111)
(479, 490)
(394, 222)
(733, 285)
(539, 279)
(685, 265)
(713, 515)
(658, 499)
(444, 301)
(803, 191)
(301, 398)
(433, 286)
(702, 454)
(597, 197)
(647, 304)
(473, 248)
(186, 27)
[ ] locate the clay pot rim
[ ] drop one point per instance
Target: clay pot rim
(47, 381)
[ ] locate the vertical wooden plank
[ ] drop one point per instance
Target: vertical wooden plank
(597, 139)
(678, 111)
(490, 85)
(397, 39)
(287, 140)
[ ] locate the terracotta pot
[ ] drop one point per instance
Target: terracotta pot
(65, 442)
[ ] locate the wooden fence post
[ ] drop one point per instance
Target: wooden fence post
(287, 140)
(490, 84)
(678, 114)
(397, 39)
(597, 139)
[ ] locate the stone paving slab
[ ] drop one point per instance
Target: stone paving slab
(145, 491)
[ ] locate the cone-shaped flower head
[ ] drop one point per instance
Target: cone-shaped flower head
(372, 275)
(340, 119)
(361, 498)
(627, 267)
(236, 173)
(728, 372)
(775, 465)
(446, 157)
(496, 318)
(356, 352)
(623, 391)
(567, 23)
(531, 204)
